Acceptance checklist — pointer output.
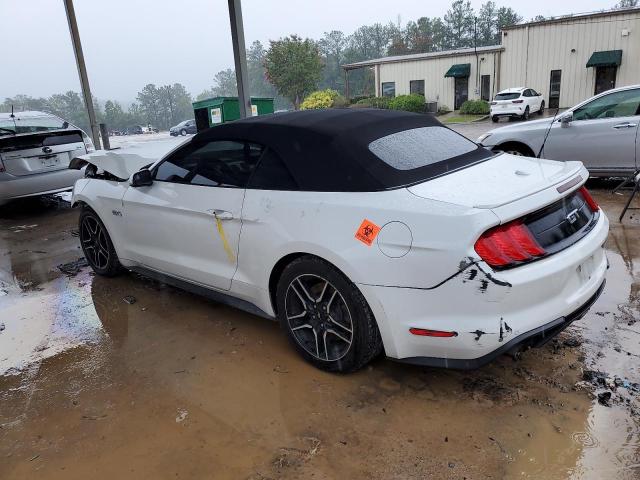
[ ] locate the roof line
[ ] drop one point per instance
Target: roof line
(575, 16)
(421, 56)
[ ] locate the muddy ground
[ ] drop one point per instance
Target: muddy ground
(125, 377)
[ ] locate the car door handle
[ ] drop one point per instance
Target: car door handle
(625, 125)
(221, 214)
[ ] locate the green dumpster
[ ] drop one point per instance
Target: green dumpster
(217, 110)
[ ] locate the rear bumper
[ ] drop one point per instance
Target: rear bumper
(508, 112)
(13, 187)
(533, 338)
(489, 309)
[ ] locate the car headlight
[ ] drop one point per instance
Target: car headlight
(482, 138)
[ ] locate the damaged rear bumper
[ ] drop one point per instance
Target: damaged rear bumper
(533, 338)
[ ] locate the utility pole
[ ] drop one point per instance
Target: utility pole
(240, 57)
(82, 71)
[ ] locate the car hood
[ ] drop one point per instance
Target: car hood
(498, 181)
(528, 125)
(122, 163)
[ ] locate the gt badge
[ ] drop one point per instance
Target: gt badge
(367, 232)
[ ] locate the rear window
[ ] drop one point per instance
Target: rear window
(31, 124)
(420, 147)
(508, 96)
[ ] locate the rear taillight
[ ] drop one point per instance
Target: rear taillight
(423, 332)
(508, 244)
(593, 205)
(517, 101)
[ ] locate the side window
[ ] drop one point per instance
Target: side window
(220, 163)
(618, 104)
(272, 174)
(388, 89)
(533, 92)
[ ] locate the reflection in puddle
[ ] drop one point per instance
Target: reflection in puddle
(43, 323)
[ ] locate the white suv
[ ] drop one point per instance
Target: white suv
(516, 102)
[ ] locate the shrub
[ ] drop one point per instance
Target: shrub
(357, 98)
(475, 107)
(408, 103)
(323, 99)
(375, 102)
(442, 109)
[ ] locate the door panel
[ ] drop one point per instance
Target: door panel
(554, 88)
(485, 88)
(602, 134)
(461, 92)
(172, 228)
(605, 79)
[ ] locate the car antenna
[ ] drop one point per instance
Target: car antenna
(546, 135)
(12, 115)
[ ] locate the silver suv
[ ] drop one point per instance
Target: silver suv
(35, 150)
(601, 132)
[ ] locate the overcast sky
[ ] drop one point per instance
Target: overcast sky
(129, 43)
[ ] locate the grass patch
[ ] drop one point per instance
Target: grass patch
(461, 118)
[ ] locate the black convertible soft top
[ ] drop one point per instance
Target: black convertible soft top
(328, 150)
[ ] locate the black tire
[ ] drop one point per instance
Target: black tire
(514, 149)
(541, 111)
(525, 115)
(327, 315)
(495, 119)
(183, 132)
(96, 244)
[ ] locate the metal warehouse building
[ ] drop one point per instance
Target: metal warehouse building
(567, 59)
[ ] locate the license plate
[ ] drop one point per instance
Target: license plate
(585, 269)
(49, 161)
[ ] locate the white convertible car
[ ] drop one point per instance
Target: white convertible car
(361, 231)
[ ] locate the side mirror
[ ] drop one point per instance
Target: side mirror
(565, 120)
(142, 178)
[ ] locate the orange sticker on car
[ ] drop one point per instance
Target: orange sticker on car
(367, 232)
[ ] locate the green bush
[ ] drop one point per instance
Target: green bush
(408, 103)
(375, 102)
(323, 99)
(357, 98)
(475, 107)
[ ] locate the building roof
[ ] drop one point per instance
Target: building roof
(422, 56)
(575, 17)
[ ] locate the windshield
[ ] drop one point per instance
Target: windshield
(508, 96)
(420, 147)
(30, 124)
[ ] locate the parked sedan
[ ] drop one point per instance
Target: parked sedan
(602, 132)
(516, 103)
(361, 231)
(187, 126)
(35, 150)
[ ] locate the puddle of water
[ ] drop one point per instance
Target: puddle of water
(58, 317)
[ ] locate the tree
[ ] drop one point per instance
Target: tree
(459, 24)
(505, 17)
(224, 83)
(149, 104)
(70, 107)
(175, 105)
(294, 67)
(24, 102)
(627, 4)
(114, 116)
(332, 46)
(487, 20)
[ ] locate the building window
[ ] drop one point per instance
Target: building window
(416, 86)
(388, 89)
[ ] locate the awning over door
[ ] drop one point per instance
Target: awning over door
(460, 70)
(606, 58)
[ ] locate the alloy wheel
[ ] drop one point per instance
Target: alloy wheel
(318, 317)
(94, 242)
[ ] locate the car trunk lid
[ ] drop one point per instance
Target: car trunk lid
(40, 152)
(500, 181)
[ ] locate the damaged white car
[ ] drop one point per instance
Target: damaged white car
(361, 231)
